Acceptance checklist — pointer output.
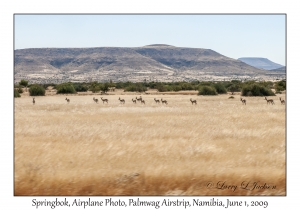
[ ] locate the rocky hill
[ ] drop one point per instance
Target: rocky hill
(261, 63)
(151, 62)
(279, 70)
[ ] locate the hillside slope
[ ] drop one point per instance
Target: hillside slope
(261, 63)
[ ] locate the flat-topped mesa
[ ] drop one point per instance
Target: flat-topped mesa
(159, 45)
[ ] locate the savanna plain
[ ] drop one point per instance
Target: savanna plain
(217, 147)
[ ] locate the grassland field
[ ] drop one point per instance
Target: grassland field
(217, 147)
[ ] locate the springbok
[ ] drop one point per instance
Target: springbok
(95, 99)
(134, 101)
(193, 101)
(269, 101)
(33, 101)
(104, 100)
(156, 100)
(139, 99)
(164, 101)
(68, 100)
(243, 101)
(142, 101)
(122, 101)
(282, 101)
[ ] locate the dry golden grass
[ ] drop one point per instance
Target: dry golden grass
(84, 148)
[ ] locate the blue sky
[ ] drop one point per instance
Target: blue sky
(231, 35)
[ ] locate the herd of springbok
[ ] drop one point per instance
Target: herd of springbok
(269, 101)
(157, 101)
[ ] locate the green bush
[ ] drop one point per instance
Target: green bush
(36, 90)
(161, 88)
(234, 88)
(20, 90)
(176, 88)
(16, 93)
(231, 97)
(94, 87)
(65, 88)
(136, 87)
(207, 90)
(220, 88)
(280, 86)
(256, 90)
(104, 87)
(23, 83)
(80, 87)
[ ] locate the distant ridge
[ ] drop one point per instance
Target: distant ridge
(159, 45)
(280, 70)
(260, 63)
(151, 62)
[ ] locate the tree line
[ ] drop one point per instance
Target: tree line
(247, 88)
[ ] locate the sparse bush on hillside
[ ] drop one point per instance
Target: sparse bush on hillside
(256, 90)
(207, 90)
(36, 90)
(65, 88)
(16, 94)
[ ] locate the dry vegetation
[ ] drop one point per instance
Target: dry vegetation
(84, 148)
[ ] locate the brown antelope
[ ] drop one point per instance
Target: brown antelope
(33, 101)
(269, 101)
(193, 101)
(139, 99)
(134, 101)
(164, 101)
(243, 101)
(156, 100)
(143, 102)
(104, 100)
(282, 101)
(122, 101)
(95, 99)
(68, 100)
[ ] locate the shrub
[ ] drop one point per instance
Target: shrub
(36, 90)
(280, 86)
(104, 87)
(220, 88)
(137, 87)
(23, 83)
(256, 90)
(161, 88)
(20, 90)
(16, 93)
(207, 90)
(176, 88)
(65, 88)
(94, 87)
(234, 88)
(80, 88)
(231, 97)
